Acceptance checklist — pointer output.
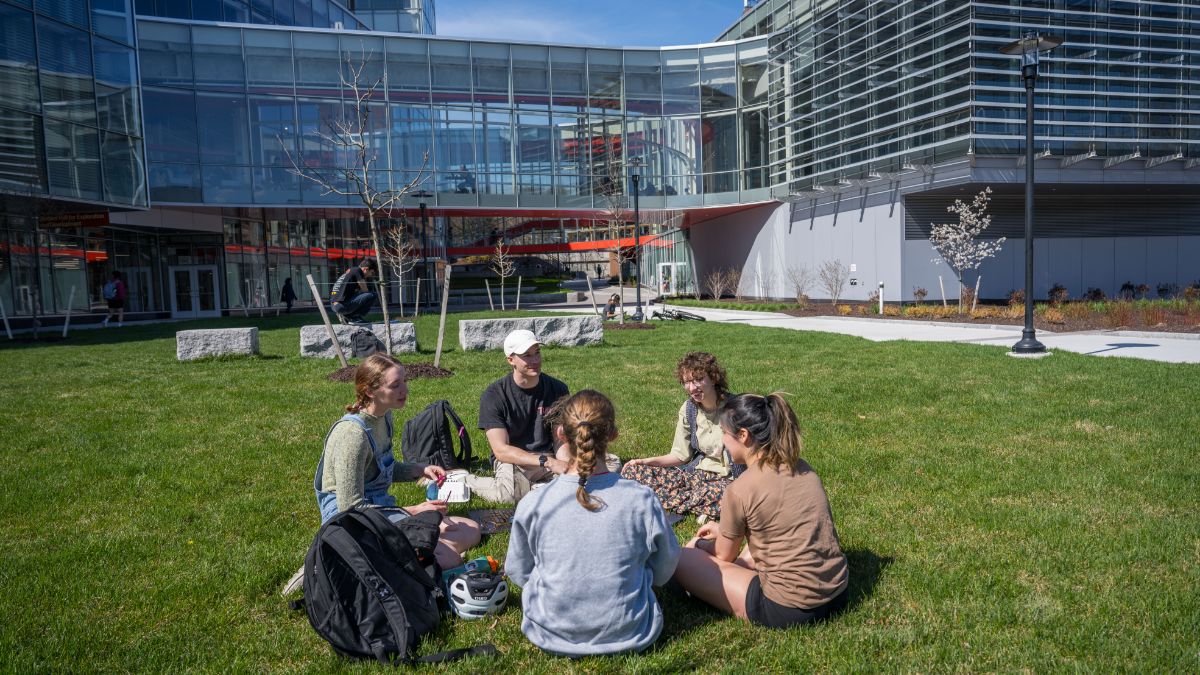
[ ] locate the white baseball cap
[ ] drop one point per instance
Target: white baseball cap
(519, 341)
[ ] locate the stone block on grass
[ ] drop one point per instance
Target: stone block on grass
(356, 341)
(563, 331)
(198, 344)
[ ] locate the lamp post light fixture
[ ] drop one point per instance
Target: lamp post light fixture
(422, 196)
(1029, 49)
(635, 166)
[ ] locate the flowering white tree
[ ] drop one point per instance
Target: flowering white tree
(957, 243)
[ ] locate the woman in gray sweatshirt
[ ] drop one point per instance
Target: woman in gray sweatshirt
(587, 548)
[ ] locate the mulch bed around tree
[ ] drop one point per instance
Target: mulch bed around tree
(628, 325)
(412, 371)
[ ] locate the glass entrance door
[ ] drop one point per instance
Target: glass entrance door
(194, 291)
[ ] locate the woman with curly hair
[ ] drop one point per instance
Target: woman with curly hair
(693, 476)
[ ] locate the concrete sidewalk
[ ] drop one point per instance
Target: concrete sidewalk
(1169, 347)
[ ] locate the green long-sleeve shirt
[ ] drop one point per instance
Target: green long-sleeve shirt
(350, 465)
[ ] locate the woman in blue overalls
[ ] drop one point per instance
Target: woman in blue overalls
(357, 465)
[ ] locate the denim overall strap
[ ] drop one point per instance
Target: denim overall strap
(375, 491)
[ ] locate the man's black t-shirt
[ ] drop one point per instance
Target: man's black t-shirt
(346, 287)
(522, 412)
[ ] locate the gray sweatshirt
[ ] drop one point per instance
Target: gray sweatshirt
(586, 576)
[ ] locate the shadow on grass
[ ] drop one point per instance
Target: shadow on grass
(684, 614)
(866, 567)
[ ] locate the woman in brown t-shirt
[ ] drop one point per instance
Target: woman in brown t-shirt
(792, 569)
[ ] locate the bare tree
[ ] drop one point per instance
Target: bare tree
(833, 276)
(400, 253)
(801, 279)
(504, 267)
(616, 211)
(357, 140)
(957, 243)
(721, 281)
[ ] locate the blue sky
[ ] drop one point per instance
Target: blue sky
(613, 23)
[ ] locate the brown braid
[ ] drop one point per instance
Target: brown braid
(589, 422)
(368, 377)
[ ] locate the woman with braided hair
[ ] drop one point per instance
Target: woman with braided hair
(792, 570)
(588, 548)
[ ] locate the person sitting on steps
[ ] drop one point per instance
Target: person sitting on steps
(351, 299)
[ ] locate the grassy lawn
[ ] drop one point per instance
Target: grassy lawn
(998, 514)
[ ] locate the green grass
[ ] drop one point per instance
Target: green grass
(998, 514)
(732, 304)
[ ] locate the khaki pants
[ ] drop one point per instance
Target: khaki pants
(510, 484)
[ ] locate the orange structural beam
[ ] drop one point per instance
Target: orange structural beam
(563, 247)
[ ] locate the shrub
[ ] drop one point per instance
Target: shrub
(803, 301)
(1016, 297)
(873, 302)
(1192, 292)
(989, 312)
(1142, 290)
(919, 294)
(1119, 315)
(1058, 294)
(1076, 311)
(844, 310)
(1094, 294)
(1053, 315)
(891, 310)
(1127, 291)
(1154, 314)
(1168, 290)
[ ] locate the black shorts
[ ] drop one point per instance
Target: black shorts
(116, 303)
(763, 611)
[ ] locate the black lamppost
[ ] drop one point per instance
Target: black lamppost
(1029, 48)
(635, 165)
(421, 196)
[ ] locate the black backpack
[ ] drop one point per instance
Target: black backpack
(427, 438)
(370, 589)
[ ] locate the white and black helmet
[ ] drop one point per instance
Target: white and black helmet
(478, 594)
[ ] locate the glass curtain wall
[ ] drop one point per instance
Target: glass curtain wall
(474, 123)
(1125, 81)
(868, 87)
(70, 123)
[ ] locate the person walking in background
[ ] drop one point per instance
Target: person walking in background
(114, 294)
(288, 294)
(588, 548)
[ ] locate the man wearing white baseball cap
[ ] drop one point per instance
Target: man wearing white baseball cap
(512, 414)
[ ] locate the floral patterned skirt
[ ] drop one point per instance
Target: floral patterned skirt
(682, 489)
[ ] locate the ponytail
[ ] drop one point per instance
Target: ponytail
(368, 377)
(588, 421)
(774, 431)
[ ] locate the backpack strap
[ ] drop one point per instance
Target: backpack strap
(373, 581)
(485, 649)
(464, 454)
(390, 534)
(690, 412)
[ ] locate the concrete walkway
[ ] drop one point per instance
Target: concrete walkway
(1169, 347)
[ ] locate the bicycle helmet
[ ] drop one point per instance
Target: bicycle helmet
(477, 594)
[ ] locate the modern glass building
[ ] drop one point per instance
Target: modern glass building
(163, 144)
